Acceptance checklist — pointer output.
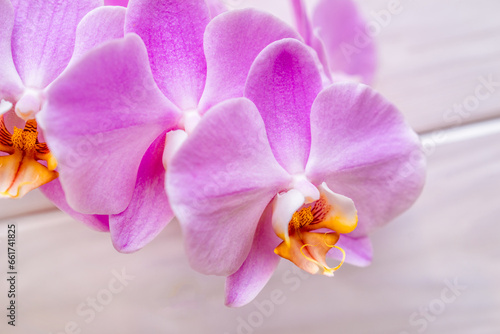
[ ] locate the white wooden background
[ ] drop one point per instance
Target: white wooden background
(431, 58)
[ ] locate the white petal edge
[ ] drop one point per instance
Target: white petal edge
(344, 213)
(284, 207)
(5, 106)
(173, 141)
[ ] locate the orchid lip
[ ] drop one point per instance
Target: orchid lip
(20, 171)
(298, 223)
(283, 208)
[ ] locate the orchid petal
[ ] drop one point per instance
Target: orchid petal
(216, 7)
(245, 284)
(305, 29)
(284, 207)
(226, 162)
(363, 149)
(123, 3)
(359, 251)
(101, 117)
(55, 193)
(5, 106)
(343, 216)
(173, 34)
(11, 85)
(44, 37)
(149, 211)
(100, 25)
(349, 48)
(232, 42)
(283, 82)
(173, 141)
(13, 121)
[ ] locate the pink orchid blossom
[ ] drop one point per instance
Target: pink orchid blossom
(114, 119)
(38, 40)
(338, 32)
(287, 171)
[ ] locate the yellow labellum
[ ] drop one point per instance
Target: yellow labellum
(307, 247)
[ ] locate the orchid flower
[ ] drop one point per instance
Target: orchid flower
(338, 32)
(291, 170)
(114, 119)
(37, 41)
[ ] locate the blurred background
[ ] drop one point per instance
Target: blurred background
(436, 268)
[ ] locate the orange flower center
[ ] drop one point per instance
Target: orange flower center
(20, 171)
(306, 247)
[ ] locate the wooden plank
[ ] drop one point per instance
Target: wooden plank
(34, 201)
(450, 237)
(432, 56)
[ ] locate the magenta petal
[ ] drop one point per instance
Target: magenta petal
(245, 284)
(219, 183)
(359, 251)
(55, 193)
(100, 25)
(12, 120)
(342, 29)
(283, 83)
(123, 3)
(305, 29)
(149, 211)
(216, 7)
(10, 83)
(363, 148)
(232, 42)
(173, 34)
(44, 36)
(302, 22)
(102, 115)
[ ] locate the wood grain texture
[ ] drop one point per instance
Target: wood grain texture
(34, 201)
(432, 55)
(451, 234)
